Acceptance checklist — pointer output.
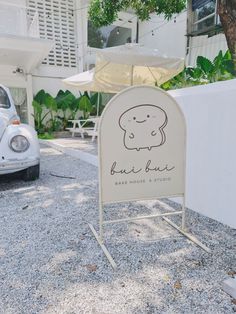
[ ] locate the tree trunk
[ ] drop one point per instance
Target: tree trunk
(227, 12)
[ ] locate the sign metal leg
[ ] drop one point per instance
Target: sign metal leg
(188, 235)
(105, 251)
(101, 233)
(183, 215)
(100, 237)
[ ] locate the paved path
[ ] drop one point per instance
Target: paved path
(85, 150)
(77, 143)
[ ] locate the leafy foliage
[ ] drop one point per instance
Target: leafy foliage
(206, 71)
(85, 106)
(97, 104)
(67, 106)
(46, 136)
(53, 114)
(39, 115)
(105, 12)
(42, 101)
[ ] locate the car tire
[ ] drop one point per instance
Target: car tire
(31, 173)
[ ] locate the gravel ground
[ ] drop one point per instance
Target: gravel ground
(51, 263)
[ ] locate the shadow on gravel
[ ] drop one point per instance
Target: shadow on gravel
(51, 263)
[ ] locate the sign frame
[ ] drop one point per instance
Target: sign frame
(169, 210)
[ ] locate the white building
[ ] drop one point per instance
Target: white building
(204, 32)
(195, 32)
(21, 50)
(44, 41)
(169, 37)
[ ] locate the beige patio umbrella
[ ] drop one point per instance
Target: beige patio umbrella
(127, 65)
(86, 81)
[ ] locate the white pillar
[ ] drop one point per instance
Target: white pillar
(29, 91)
(81, 31)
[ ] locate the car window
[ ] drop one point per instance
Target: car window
(4, 100)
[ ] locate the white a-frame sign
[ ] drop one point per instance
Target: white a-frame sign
(142, 147)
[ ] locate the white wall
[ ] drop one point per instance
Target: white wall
(11, 79)
(51, 86)
(13, 17)
(16, 2)
(50, 78)
(168, 36)
(210, 113)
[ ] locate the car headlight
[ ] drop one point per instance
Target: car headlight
(19, 144)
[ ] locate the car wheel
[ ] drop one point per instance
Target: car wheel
(31, 173)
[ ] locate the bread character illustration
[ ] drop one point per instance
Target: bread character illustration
(143, 127)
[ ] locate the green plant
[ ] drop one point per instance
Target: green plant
(96, 101)
(74, 107)
(68, 104)
(39, 114)
(205, 71)
(62, 108)
(85, 105)
(221, 68)
(46, 136)
(105, 12)
(90, 105)
(51, 106)
(44, 104)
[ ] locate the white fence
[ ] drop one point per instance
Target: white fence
(210, 113)
(205, 46)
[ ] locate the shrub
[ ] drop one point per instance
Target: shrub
(53, 114)
(205, 71)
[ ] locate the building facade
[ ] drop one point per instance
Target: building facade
(45, 41)
(205, 36)
(21, 50)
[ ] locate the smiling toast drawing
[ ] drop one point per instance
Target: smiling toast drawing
(143, 127)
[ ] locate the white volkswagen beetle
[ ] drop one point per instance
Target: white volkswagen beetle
(19, 146)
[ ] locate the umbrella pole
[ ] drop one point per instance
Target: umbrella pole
(132, 76)
(98, 101)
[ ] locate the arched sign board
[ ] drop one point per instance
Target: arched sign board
(142, 146)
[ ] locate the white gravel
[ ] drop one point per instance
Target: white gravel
(51, 263)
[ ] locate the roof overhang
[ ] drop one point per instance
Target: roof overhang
(23, 52)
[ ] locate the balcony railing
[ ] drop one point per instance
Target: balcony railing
(18, 20)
